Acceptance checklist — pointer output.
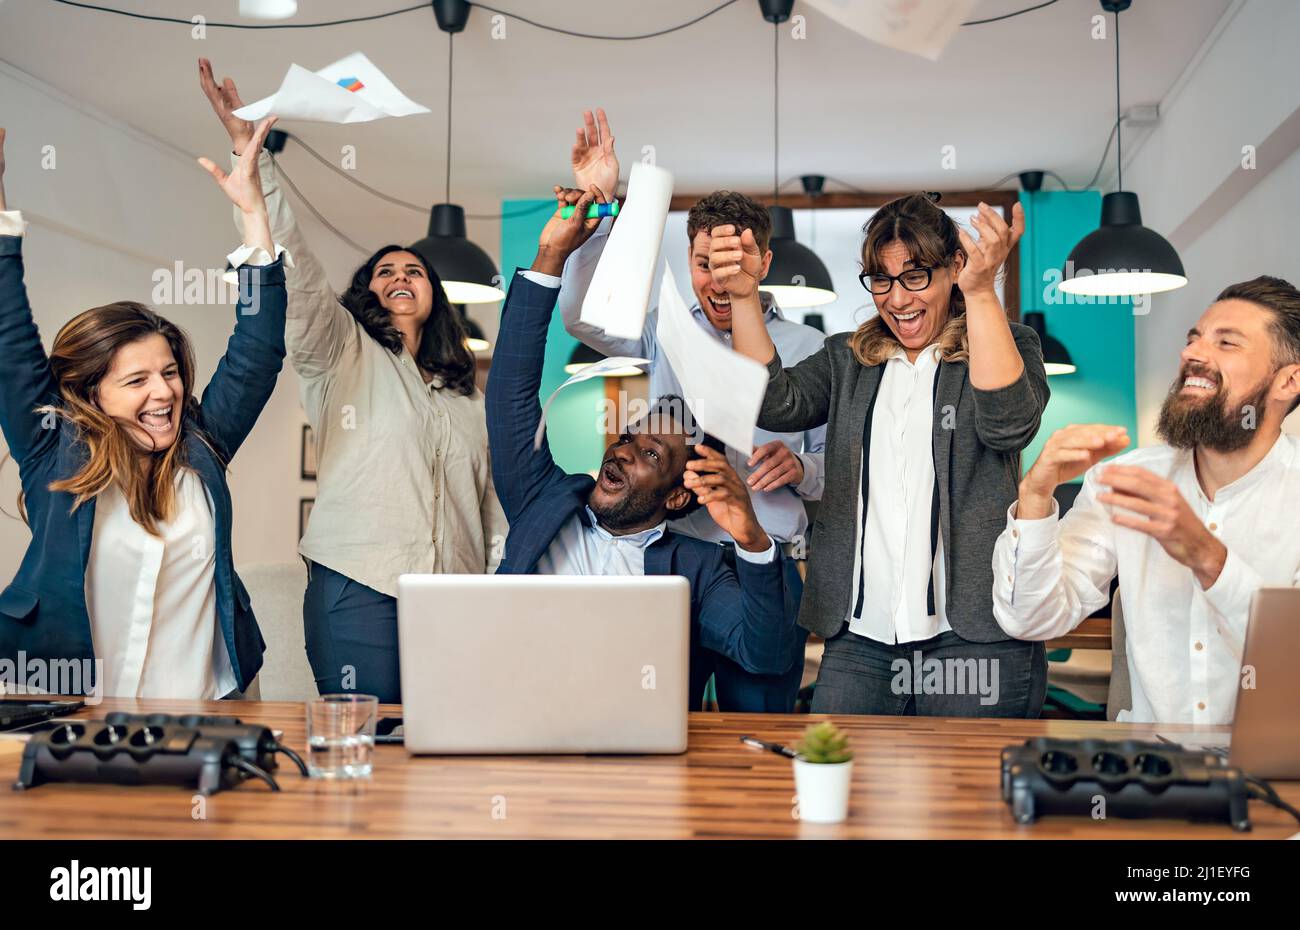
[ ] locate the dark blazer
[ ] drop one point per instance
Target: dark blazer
(43, 610)
(976, 466)
(743, 619)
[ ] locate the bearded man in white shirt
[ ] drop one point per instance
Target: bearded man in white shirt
(1192, 528)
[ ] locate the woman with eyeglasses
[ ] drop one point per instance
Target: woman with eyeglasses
(928, 406)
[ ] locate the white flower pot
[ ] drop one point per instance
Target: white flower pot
(823, 790)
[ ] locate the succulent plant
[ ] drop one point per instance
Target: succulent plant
(825, 744)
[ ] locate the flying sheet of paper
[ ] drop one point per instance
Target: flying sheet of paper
(922, 27)
(352, 90)
(619, 293)
(722, 388)
(591, 371)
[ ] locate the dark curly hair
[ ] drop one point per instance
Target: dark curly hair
(442, 350)
(722, 208)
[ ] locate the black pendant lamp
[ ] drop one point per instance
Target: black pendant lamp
(1056, 357)
(469, 276)
(475, 339)
(796, 277)
(1121, 258)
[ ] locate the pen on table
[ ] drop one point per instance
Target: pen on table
(756, 743)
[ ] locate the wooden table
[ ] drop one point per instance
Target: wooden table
(913, 778)
(1093, 633)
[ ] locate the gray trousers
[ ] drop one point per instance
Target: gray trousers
(944, 676)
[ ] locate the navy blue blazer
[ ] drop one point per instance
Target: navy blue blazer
(741, 618)
(43, 610)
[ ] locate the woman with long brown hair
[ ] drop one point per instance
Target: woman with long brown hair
(123, 477)
(404, 479)
(928, 406)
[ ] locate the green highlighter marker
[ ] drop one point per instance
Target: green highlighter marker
(595, 211)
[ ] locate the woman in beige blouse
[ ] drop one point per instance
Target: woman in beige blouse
(404, 483)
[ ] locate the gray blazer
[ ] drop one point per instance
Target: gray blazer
(977, 469)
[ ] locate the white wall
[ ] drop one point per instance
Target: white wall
(117, 206)
(1229, 223)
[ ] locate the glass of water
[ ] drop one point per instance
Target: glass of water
(341, 735)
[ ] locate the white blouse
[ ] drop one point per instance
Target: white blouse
(153, 600)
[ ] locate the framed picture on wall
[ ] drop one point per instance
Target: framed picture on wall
(308, 453)
(304, 513)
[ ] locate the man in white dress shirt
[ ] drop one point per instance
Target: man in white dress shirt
(1192, 528)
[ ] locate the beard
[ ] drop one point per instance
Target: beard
(1212, 422)
(633, 509)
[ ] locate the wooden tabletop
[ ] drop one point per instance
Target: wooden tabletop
(1093, 633)
(912, 778)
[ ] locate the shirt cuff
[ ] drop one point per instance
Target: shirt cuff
(537, 277)
(758, 558)
(1033, 535)
(12, 224)
(811, 487)
(1232, 591)
(256, 255)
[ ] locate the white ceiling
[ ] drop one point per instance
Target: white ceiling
(1033, 91)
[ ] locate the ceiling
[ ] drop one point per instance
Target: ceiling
(1033, 91)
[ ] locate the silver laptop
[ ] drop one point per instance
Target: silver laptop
(1266, 726)
(544, 663)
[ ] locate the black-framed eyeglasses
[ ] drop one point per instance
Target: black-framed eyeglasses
(913, 279)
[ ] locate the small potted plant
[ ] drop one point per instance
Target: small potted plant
(823, 769)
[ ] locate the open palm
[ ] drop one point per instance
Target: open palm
(594, 161)
(243, 185)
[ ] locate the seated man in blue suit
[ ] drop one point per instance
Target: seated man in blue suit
(616, 524)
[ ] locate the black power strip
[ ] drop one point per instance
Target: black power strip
(206, 753)
(1045, 777)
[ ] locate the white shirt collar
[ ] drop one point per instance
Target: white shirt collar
(642, 540)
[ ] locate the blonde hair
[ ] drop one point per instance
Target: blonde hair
(930, 236)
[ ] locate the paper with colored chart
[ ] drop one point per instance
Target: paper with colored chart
(352, 90)
(603, 367)
(921, 27)
(619, 293)
(723, 389)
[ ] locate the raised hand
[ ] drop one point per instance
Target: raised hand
(225, 100)
(718, 487)
(1156, 507)
(594, 161)
(735, 261)
(560, 237)
(1066, 455)
(244, 188)
(985, 256)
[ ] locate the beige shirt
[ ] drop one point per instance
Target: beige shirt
(404, 481)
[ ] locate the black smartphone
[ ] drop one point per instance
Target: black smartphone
(389, 730)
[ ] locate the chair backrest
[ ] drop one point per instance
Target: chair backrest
(1119, 696)
(276, 590)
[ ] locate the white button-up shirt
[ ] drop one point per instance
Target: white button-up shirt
(895, 546)
(1184, 642)
(153, 602)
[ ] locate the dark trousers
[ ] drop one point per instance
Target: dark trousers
(944, 676)
(351, 633)
(743, 692)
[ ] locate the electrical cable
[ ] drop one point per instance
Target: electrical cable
(424, 6)
(297, 759)
(249, 768)
(316, 213)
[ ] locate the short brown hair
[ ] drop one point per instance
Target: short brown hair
(723, 208)
(1283, 299)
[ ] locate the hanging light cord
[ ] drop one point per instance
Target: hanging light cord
(451, 47)
(424, 6)
(776, 110)
(1119, 131)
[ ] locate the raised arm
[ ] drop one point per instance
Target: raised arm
(514, 410)
(742, 613)
(595, 165)
(318, 330)
(246, 374)
(26, 381)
